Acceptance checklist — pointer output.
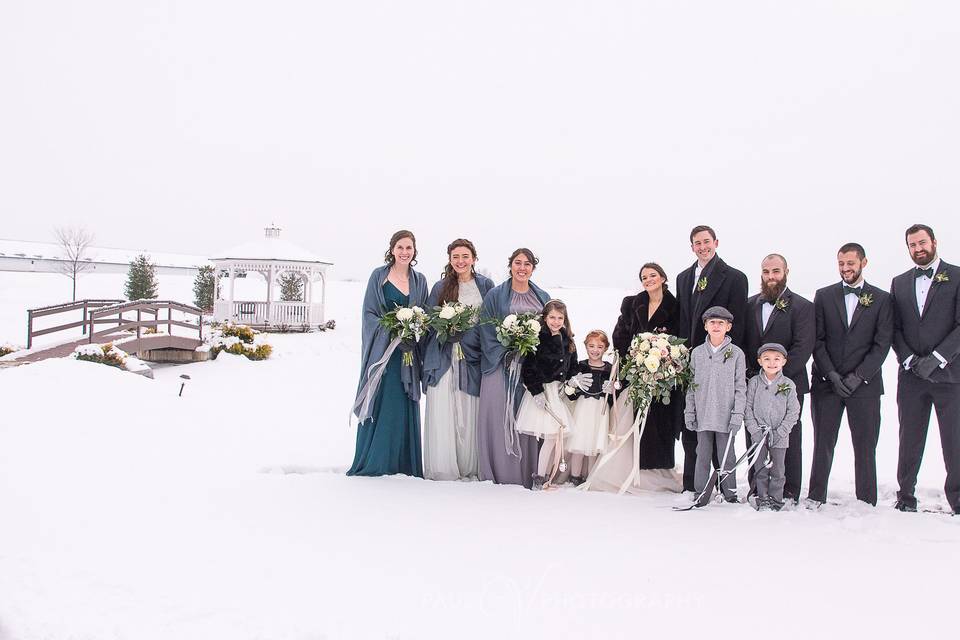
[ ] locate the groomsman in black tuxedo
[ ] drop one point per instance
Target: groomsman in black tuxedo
(707, 283)
(779, 315)
(854, 323)
(926, 340)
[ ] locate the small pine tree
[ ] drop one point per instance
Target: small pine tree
(203, 284)
(141, 279)
(291, 288)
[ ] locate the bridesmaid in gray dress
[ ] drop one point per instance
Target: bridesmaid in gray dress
(516, 295)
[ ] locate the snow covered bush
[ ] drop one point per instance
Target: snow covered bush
(238, 339)
(6, 348)
(102, 353)
(240, 331)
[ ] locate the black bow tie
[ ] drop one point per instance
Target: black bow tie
(854, 290)
(924, 272)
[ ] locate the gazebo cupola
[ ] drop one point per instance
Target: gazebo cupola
(271, 258)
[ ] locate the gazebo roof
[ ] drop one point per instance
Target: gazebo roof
(270, 248)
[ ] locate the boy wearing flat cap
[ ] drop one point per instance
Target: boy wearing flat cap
(716, 399)
(772, 410)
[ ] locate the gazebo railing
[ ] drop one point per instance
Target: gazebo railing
(275, 314)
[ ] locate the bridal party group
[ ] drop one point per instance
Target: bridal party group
(508, 399)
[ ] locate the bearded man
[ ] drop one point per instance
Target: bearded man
(779, 315)
(926, 340)
(854, 331)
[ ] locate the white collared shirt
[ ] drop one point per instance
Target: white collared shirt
(851, 300)
(696, 276)
(923, 284)
(765, 312)
(922, 287)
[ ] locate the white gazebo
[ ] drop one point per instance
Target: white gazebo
(270, 257)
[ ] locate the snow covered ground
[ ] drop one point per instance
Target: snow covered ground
(129, 512)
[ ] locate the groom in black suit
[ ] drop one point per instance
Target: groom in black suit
(708, 282)
(779, 315)
(927, 343)
(854, 323)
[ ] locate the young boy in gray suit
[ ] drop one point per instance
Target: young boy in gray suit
(716, 399)
(772, 408)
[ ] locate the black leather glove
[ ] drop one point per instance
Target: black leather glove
(852, 381)
(838, 387)
(925, 366)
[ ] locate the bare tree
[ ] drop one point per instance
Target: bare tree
(74, 243)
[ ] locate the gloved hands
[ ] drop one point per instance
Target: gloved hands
(540, 400)
(607, 386)
(838, 387)
(925, 366)
(852, 381)
(582, 381)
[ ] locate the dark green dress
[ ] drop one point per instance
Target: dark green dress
(389, 442)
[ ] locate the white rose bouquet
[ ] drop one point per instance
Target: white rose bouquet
(409, 324)
(656, 364)
(451, 320)
(519, 334)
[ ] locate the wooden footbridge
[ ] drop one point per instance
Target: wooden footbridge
(137, 327)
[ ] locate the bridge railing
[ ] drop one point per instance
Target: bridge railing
(115, 314)
(79, 305)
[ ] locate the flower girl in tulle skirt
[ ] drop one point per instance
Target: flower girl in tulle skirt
(591, 413)
(544, 412)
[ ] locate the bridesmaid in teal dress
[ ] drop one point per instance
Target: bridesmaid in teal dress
(388, 436)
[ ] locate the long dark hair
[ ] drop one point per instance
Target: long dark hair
(558, 305)
(394, 239)
(450, 291)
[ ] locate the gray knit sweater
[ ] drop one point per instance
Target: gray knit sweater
(773, 405)
(717, 396)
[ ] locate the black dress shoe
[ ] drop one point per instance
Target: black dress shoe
(903, 506)
(732, 499)
(537, 483)
(576, 481)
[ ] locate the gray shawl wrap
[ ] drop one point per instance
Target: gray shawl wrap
(375, 338)
(437, 357)
(496, 305)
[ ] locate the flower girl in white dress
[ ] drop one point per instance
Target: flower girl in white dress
(591, 413)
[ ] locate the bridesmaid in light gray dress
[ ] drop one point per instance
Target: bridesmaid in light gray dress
(517, 295)
(452, 388)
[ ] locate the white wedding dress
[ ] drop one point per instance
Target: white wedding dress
(618, 469)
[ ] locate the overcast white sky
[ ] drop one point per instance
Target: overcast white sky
(596, 133)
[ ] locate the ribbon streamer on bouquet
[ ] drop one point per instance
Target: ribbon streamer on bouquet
(614, 374)
(510, 436)
(364, 404)
(559, 461)
(456, 356)
(636, 432)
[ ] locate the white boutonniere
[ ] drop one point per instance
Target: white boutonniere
(781, 304)
(728, 354)
(942, 277)
(866, 299)
(701, 284)
(783, 389)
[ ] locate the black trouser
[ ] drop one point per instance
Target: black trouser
(793, 462)
(915, 398)
(689, 440)
(863, 416)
